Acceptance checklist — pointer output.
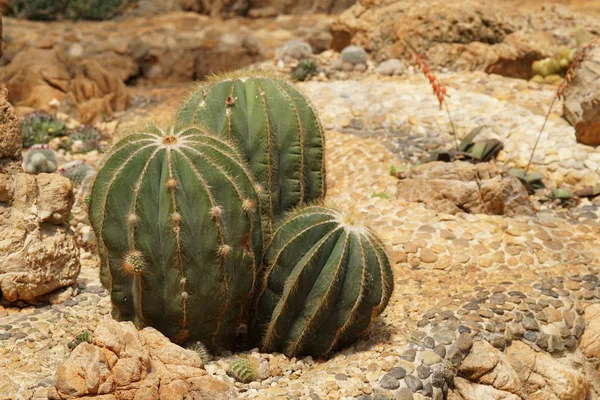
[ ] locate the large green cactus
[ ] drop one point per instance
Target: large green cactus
(275, 127)
(326, 279)
(179, 233)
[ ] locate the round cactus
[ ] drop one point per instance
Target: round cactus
(40, 158)
(275, 127)
(201, 350)
(179, 234)
(85, 139)
(241, 370)
(353, 55)
(38, 127)
(296, 49)
(77, 171)
(326, 280)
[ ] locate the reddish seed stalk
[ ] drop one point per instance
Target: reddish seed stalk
(577, 59)
(439, 90)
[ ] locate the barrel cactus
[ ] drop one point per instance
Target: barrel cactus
(326, 278)
(275, 127)
(179, 234)
(40, 158)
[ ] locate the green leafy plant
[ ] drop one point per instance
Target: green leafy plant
(532, 182)
(326, 278)
(303, 70)
(242, 370)
(274, 126)
(176, 216)
(380, 195)
(40, 158)
(563, 196)
(83, 337)
(469, 150)
(38, 127)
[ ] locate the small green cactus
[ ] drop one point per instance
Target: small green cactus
(295, 49)
(354, 55)
(38, 127)
(242, 370)
(274, 126)
(201, 350)
(77, 171)
(83, 337)
(44, 10)
(176, 217)
(40, 158)
(326, 278)
(85, 139)
(303, 70)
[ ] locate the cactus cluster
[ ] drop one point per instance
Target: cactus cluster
(552, 69)
(77, 171)
(184, 215)
(40, 158)
(39, 127)
(326, 279)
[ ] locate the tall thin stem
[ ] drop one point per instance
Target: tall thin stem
(540, 134)
(451, 124)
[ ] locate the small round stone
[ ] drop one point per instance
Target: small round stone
(413, 383)
(409, 355)
(464, 342)
(438, 379)
(404, 394)
(397, 372)
(389, 382)
(530, 335)
(440, 350)
(423, 371)
(530, 324)
(429, 342)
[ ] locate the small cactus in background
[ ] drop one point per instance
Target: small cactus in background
(95, 9)
(38, 127)
(326, 278)
(242, 370)
(552, 69)
(201, 350)
(83, 337)
(274, 126)
(40, 158)
(176, 217)
(77, 171)
(303, 70)
(354, 55)
(85, 139)
(294, 49)
(43, 10)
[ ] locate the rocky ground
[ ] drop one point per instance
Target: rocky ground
(455, 274)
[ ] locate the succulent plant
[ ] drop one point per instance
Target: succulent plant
(296, 49)
(77, 171)
(242, 370)
(354, 55)
(588, 191)
(38, 127)
(85, 139)
(468, 150)
(44, 10)
(561, 194)
(83, 337)
(201, 350)
(326, 278)
(303, 70)
(175, 213)
(532, 182)
(552, 69)
(276, 129)
(40, 158)
(95, 9)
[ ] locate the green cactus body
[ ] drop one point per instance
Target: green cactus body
(326, 280)
(77, 171)
(40, 158)
(354, 55)
(241, 370)
(277, 130)
(85, 139)
(179, 234)
(38, 127)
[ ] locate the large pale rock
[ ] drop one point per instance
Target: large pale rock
(467, 390)
(590, 340)
(582, 100)
(545, 377)
(10, 135)
(465, 35)
(37, 77)
(464, 187)
(124, 363)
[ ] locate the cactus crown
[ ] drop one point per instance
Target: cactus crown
(354, 55)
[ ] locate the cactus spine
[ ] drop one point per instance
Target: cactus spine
(277, 129)
(179, 234)
(326, 280)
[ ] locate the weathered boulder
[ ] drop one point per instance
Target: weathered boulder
(464, 187)
(124, 363)
(37, 77)
(467, 35)
(582, 100)
(10, 139)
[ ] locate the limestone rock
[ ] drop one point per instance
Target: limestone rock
(124, 363)
(467, 390)
(10, 140)
(582, 100)
(590, 340)
(464, 187)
